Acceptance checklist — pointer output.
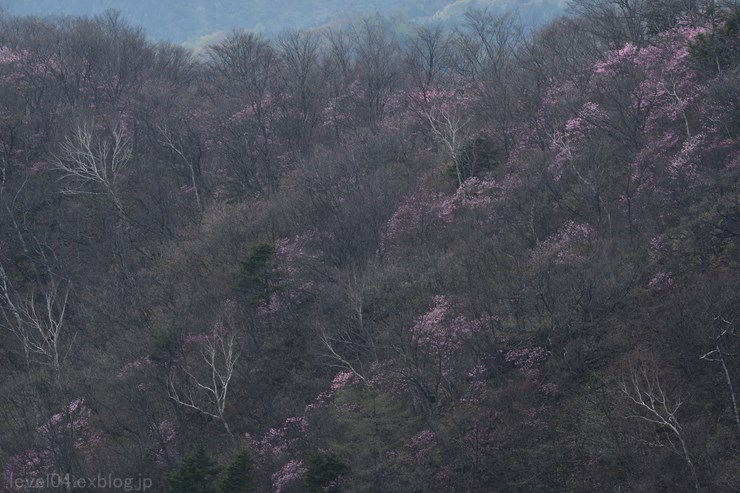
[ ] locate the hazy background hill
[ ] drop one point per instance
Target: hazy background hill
(192, 20)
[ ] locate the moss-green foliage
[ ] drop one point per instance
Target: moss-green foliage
(477, 155)
(196, 474)
(238, 474)
(257, 275)
(323, 472)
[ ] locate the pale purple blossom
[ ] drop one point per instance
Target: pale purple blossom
(341, 380)
(661, 281)
(291, 472)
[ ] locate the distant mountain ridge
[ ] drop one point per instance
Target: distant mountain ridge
(187, 20)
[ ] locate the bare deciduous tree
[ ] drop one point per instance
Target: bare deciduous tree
(91, 156)
(449, 129)
(376, 57)
(718, 355)
(207, 395)
(12, 313)
(428, 56)
(654, 406)
(38, 323)
(44, 320)
(329, 343)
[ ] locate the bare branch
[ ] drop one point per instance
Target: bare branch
(14, 324)
(328, 344)
(220, 355)
(449, 129)
(167, 140)
(720, 356)
(45, 321)
(87, 157)
(654, 406)
(38, 323)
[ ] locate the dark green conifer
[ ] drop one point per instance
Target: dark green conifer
(196, 474)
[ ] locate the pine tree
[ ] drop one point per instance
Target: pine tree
(324, 471)
(238, 478)
(257, 276)
(196, 474)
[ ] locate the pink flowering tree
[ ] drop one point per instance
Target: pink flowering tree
(289, 477)
(245, 69)
(419, 219)
(435, 353)
(279, 453)
(249, 143)
(656, 110)
(560, 275)
(67, 443)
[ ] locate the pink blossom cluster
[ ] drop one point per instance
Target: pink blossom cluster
(474, 193)
(615, 59)
(661, 281)
(476, 390)
(428, 323)
(577, 130)
(71, 425)
(341, 380)
(293, 251)
(31, 464)
(422, 443)
(277, 441)
(337, 113)
(165, 433)
(196, 339)
(131, 367)
(657, 246)
(243, 114)
(684, 164)
(75, 417)
(418, 211)
(291, 472)
(535, 417)
(566, 246)
(270, 307)
(8, 55)
(526, 358)
(477, 373)
(441, 333)
(549, 389)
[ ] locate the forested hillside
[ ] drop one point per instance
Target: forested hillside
(198, 20)
(478, 260)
